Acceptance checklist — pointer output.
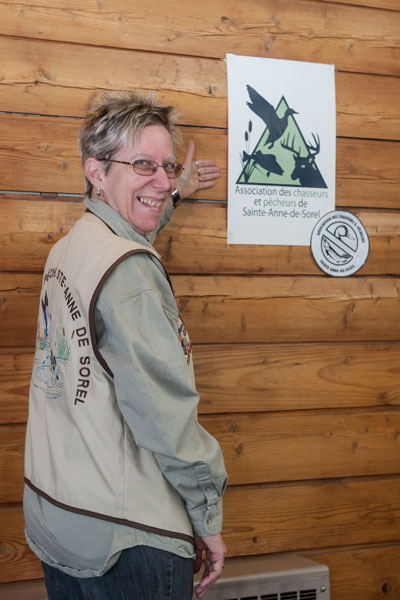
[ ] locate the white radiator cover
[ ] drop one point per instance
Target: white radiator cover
(283, 577)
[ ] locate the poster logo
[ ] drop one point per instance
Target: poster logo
(282, 149)
(281, 156)
(339, 244)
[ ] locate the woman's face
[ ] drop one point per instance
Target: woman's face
(141, 199)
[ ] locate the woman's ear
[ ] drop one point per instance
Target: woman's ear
(94, 171)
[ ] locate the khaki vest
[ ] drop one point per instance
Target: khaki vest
(80, 453)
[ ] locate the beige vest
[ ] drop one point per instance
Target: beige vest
(80, 454)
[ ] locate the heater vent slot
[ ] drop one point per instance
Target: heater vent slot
(308, 595)
(295, 595)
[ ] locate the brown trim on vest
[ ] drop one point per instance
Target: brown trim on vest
(160, 261)
(96, 293)
(95, 515)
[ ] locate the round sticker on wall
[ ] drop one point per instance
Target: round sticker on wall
(339, 243)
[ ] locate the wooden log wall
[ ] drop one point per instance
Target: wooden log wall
(299, 373)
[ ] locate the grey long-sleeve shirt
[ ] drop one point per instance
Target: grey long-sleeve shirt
(190, 459)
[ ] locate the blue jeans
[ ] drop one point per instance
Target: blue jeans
(141, 573)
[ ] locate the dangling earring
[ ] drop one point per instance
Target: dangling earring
(98, 191)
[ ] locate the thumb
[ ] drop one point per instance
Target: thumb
(187, 161)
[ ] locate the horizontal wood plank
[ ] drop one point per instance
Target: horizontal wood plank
(20, 303)
(24, 590)
(17, 561)
(298, 517)
(12, 444)
(194, 242)
(263, 449)
(367, 170)
(259, 520)
(362, 573)
(268, 448)
(15, 376)
(366, 174)
(385, 4)
(366, 106)
(47, 149)
(56, 78)
(30, 226)
(256, 377)
(268, 377)
(59, 79)
(234, 309)
(353, 38)
(277, 309)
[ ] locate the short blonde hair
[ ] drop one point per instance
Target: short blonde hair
(114, 117)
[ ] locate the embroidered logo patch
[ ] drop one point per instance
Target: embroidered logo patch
(184, 340)
(47, 374)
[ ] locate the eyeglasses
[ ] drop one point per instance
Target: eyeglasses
(143, 166)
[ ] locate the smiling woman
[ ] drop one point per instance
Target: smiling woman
(124, 489)
(139, 198)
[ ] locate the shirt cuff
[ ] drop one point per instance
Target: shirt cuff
(207, 519)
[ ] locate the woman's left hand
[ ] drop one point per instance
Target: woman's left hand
(197, 175)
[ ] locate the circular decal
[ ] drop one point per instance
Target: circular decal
(339, 243)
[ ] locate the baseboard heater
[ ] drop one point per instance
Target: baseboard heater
(284, 577)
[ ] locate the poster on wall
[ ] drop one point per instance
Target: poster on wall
(282, 149)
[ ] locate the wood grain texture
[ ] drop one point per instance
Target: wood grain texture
(262, 309)
(59, 79)
(19, 300)
(262, 448)
(366, 106)
(47, 147)
(51, 78)
(266, 519)
(12, 444)
(298, 517)
(285, 377)
(29, 227)
(17, 561)
(362, 573)
(255, 378)
(229, 309)
(384, 4)
(15, 376)
(33, 589)
(354, 38)
(268, 448)
(194, 242)
(367, 173)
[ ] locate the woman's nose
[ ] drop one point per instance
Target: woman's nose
(161, 179)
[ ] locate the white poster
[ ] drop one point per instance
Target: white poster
(282, 149)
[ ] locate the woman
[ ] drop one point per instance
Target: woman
(123, 486)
